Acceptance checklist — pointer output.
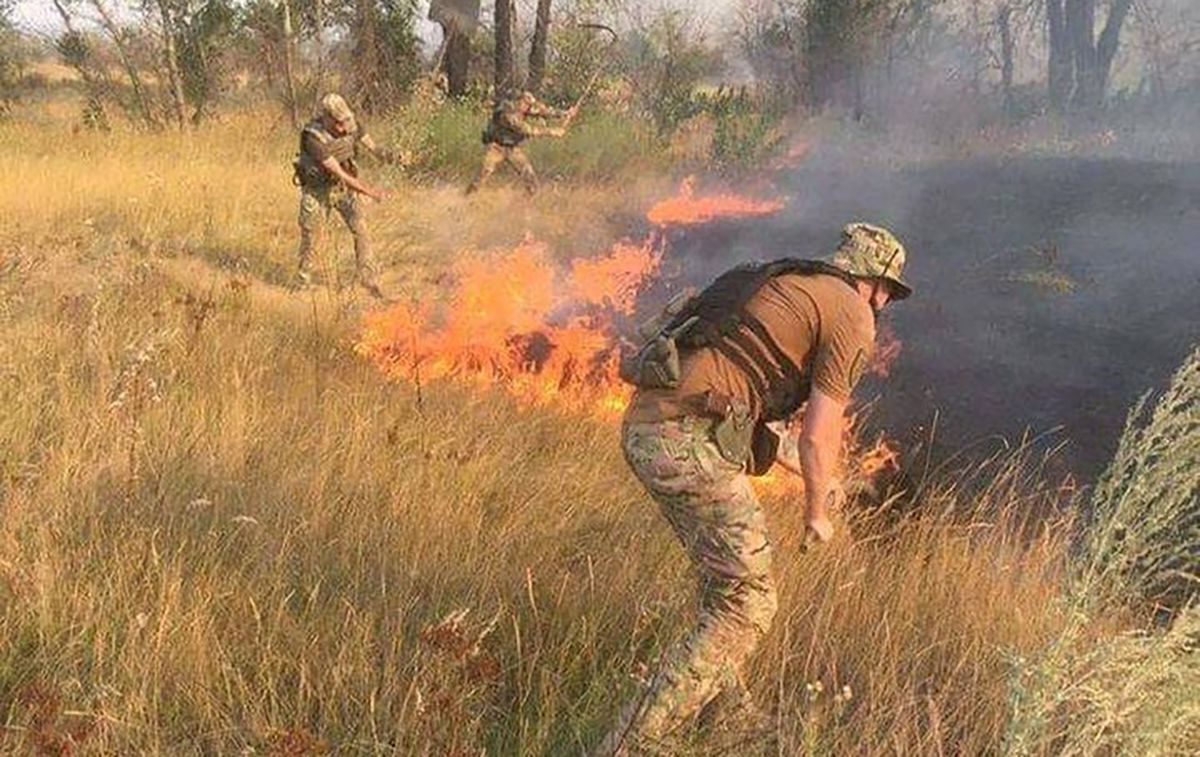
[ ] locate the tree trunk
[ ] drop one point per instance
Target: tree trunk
(366, 54)
(1060, 73)
(1110, 40)
(1081, 23)
(135, 80)
(171, 59)
(456, 59)
(537, 51)
(289, 74)
(1007, 49)
(1091, 57)
(505, 20)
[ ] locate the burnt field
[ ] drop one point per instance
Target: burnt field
(1051, 293)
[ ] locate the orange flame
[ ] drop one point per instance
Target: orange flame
(513, 321)
(545, 335)
(887, 349)
(685, 209)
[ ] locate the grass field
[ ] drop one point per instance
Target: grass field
(224, 532)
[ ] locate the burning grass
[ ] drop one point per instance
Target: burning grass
(688, 209)
(223, 530)
(282, 559)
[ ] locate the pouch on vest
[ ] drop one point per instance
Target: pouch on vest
(306, 174)
(764, 446)
(655, 365)
(734, 434)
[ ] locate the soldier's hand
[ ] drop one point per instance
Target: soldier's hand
(380, 195)
(557, 131)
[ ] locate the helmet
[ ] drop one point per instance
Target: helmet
(334, 106)
(872, 252)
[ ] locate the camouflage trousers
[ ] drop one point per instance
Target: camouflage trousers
(316, 204)
(709, 504)
(495, 155)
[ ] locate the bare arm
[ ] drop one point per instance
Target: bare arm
(545, 111)
(523, 125)
(382, 154)
(335, 169)
(820, 445)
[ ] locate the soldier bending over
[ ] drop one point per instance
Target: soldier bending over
(752, 348)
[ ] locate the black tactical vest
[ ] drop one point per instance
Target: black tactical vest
(343, 148)
(501, 130)
(719, 319)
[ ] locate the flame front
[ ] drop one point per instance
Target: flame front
(545, 333)
(514, 320)
(686, 209)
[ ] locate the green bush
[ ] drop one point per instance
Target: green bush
(1136, 693)
(444, 141)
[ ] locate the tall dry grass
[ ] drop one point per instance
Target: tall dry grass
(223, 531)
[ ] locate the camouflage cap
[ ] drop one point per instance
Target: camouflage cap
(334, 106)
(874, 253)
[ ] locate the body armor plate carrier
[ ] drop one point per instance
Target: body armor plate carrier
(308, 172)
(501, 129)
(717, 318)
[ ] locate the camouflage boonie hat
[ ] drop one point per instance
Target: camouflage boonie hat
(874, 253)
(335, 106)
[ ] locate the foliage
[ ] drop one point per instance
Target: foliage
(223, 531)
(1135, 693)
(398, 48)
(747, 130)
(444, 140)
(665, 62)
(11, 56)
(205, 31)
(1145, 542)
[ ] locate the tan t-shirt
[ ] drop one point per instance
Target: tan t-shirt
(819, 321)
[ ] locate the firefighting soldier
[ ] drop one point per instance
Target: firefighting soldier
(326, 171)
(753, 347)
(510, 125)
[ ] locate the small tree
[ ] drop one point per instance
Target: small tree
(205, 32)
(75, 49)
(385, 52)
(10, 56)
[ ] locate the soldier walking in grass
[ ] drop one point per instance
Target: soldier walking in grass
(753, 348)
(326, 171)
(511, 124)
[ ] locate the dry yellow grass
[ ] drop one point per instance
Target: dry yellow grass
(222, 530)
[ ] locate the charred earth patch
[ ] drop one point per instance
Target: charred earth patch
(1051, 292)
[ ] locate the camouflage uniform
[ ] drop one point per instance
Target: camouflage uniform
(321, 194)
(508, 129)
(703, 490)
(316, 203)
(709, 504)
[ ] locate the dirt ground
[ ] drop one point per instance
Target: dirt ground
(1051, 293)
